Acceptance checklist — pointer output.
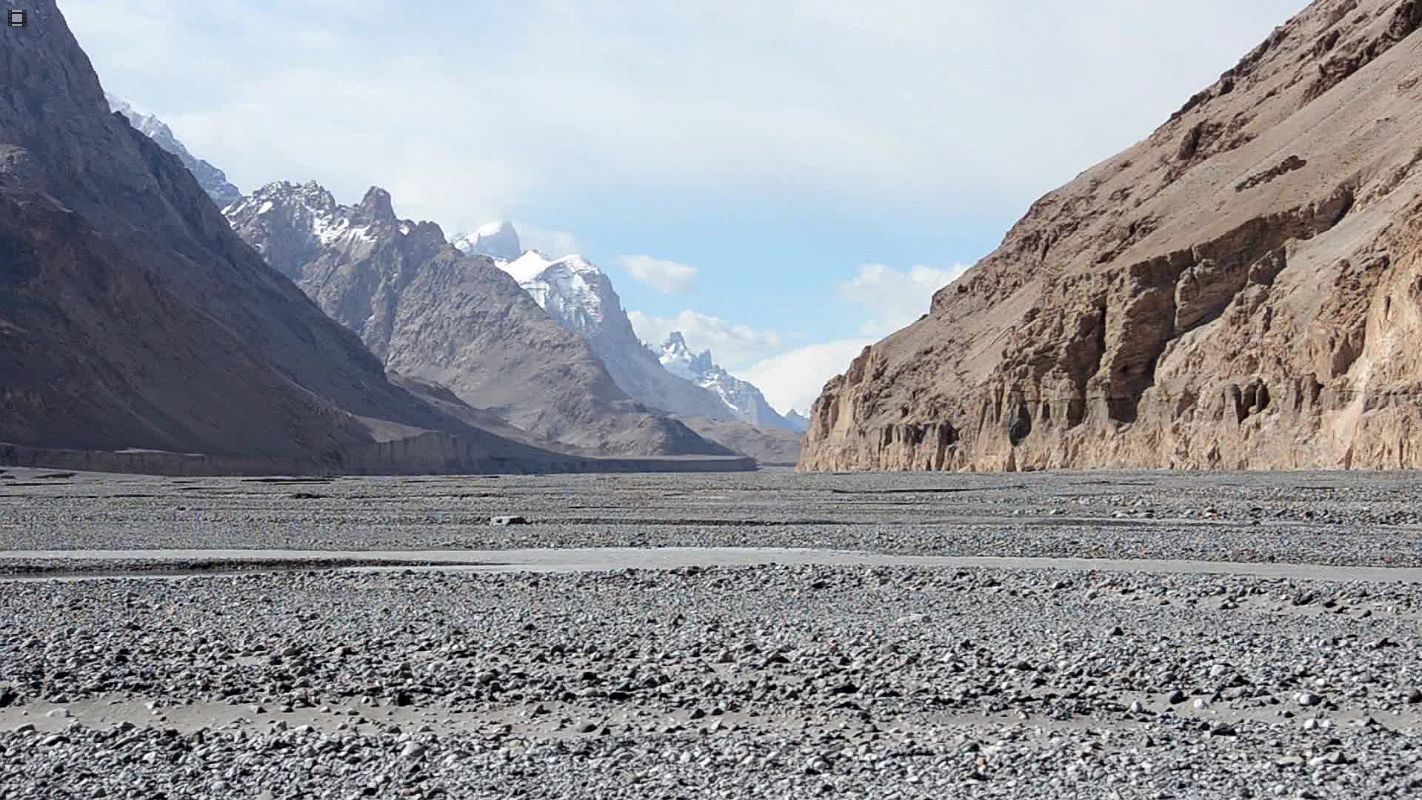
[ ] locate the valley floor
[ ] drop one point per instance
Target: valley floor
(739, 635)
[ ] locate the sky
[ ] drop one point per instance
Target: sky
(785, 181)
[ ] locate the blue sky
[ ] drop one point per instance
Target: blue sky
(803, 173)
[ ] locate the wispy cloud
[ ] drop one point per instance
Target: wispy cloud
(894, 298)
(667, 277)
(551, 243)
(850, 105)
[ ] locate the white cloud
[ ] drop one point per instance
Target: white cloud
(667, 277)
(793, 380)
(552, 243)
(733, 345)
(894, 297)
(854, 105)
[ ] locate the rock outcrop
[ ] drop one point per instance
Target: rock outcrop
(433, 313)
(1243, 289)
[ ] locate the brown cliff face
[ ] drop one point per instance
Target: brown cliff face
(1243, 289)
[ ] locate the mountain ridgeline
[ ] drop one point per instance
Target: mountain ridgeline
(437, 315)
(581, 298)
(334, 253)
(210, 178)
(1239, 290)
(743, 399)
(139, 333)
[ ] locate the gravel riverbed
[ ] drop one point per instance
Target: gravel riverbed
(773, 680)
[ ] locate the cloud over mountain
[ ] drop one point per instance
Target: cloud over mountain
(667, 277)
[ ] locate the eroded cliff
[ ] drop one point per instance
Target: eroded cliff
(1243, 289)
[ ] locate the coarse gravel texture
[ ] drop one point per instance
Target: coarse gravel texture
(1323, 518)
(782, 681)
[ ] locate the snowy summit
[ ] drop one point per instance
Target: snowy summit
(497, 240)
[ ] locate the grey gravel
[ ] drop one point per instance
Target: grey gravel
(764, 681)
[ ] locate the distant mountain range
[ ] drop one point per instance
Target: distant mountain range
(138, 332)
(742, 398)
(303, 231)
(503, 339)
(582, 299)
(436, 315)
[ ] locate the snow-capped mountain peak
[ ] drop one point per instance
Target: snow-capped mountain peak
(680, 361)
(290, 223)
(526, 267)
(743, 398)
(571, 289)
(581, 298)
(498, 240)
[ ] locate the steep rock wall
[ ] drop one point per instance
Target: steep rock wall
(1240, 290)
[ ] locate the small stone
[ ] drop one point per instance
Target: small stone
(1308, 699)
(508, 520)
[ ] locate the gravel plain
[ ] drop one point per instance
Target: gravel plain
(131, 678)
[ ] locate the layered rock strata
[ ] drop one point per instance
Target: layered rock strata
(1243, 289)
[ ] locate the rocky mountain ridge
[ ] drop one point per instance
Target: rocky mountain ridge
(211, 179)
(436, 315)
(745, 401)
(1239, 290)
(581, 297)
(137, 332)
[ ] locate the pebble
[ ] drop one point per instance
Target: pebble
(717, 682)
